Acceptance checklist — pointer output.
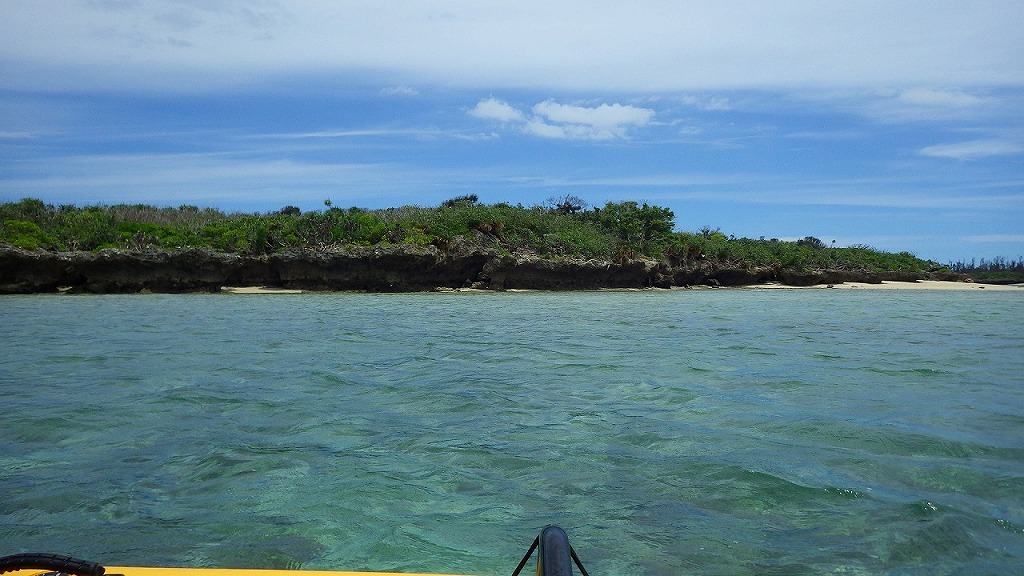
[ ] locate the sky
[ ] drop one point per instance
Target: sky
(895, 124)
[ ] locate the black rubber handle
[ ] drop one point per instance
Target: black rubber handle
(53, 562)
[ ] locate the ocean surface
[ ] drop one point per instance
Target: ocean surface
(670, 433)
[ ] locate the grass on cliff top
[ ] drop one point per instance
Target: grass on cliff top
(560, 228)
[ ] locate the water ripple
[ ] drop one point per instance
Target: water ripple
(713, 432)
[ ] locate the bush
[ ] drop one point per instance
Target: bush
(25, 234)
(86, 229)
(251, 235)
(143, 236)
(28, 209)
(561, 228)
(641, 229)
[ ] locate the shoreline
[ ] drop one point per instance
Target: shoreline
(259, 290)
(412, 269)
(927, 285)
(894, 285)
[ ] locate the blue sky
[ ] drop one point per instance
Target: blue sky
(895, 124)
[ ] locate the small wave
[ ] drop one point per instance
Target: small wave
(926, 372)
(934, 537)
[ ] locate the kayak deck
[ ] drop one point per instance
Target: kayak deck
(555, 557)
(167, 571)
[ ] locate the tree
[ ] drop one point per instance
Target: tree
(567, 204)
(639, 227)
(467, 200)
(811, 241)
(27, 209)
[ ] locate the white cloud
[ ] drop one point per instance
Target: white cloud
(538, 127)
(825, 135)
(707, 103)
(917, 104)
(172, 179)
(974, 149)
(612, 116)
(939, 98)
(604, 122)
(422, 133)
(580, 45)
(563, 121)
(494, 109)
(399, 91)
(929, 104)
(995, 238)
(15, 135)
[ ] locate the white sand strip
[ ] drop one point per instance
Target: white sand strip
(923, 285)
(258, 290)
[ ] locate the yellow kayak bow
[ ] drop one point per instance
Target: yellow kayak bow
(555, 557)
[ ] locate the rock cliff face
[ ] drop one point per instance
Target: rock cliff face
(397, 269)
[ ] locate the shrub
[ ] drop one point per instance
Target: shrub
(87, 229)
(640, 228)
(619, 230)
(25, 234)
(467, 200)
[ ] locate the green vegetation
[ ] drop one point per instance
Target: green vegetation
(806, 254)
(998, 270)
(562, 227)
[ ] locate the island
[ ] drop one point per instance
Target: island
(461, 244)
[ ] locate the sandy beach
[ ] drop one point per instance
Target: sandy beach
(920, 285)
(258, 290)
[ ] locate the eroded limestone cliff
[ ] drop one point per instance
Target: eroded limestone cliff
(393, 269)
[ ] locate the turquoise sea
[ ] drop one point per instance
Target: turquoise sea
(670, 433)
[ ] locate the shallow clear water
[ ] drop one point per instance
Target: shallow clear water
(703, 432)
